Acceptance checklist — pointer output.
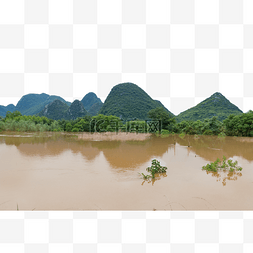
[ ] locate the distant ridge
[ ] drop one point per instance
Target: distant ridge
(125, 100)
(89, 100)
(59, 110)
(94, 109)
(215, 105)
(76, 110)
(31, 104)
(55, 110)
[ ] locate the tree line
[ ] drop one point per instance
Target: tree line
(233, 125)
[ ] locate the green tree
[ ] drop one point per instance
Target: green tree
(68, 127)
(163, 116)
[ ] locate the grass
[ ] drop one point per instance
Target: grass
(222, 165)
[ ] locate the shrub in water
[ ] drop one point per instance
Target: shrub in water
(215, 166)
(182, 135)
(155, 168)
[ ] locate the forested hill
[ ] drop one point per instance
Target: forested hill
(215, 105)
(76, 110)
(59, 110)
(89, 100)
(55, 110)
(4, 109)
(128, 101)
(31, 104)
(94, 109)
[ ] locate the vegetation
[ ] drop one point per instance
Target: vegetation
(55, 110)
(94, 109)
(129, 102)
(224, 165)
(59, 110)
(216, 105)
(165, 118)
(5, 109)
(154, 169)
(104, 123)
(234, 125)
(32, 104)
(239, 125)
(76, 110)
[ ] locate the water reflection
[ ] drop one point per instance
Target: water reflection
(212, 147)
(223, 176)
(130, 154)
(158, 176)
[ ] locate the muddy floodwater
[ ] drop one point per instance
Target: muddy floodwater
(55, 171)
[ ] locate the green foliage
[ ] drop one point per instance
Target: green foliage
(182, 135)
(154, 169)
(136, 126)
(94, 109)
(102, 123)
(146, 176)
(221, 134)
(12, 115)
(163, 116)
(239, 125)
(165, 132)
(208, 127)
(208, 132)
(129, 102)
(75, 129)
(216, 105)
(55, 126)
(68, 127)
(217, 165)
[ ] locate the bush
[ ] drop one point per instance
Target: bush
(165, 132)
(182, 135)
(155, 168)
(75, 129)
(208, 132)
(215, 166)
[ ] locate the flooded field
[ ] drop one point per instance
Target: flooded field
(54, 171)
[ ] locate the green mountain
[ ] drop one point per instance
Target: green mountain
(215, 105)
(4, 109)
(76, 110)
(128, 101)
(89, 100)
(31, 104)
(94, 109)
(55, 110)
(60, 110)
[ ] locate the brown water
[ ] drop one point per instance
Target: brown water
(62, 172)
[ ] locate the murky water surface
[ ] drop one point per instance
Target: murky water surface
(55, 171)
